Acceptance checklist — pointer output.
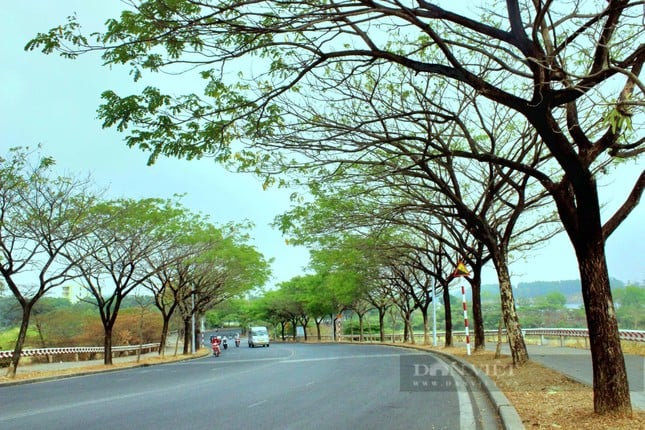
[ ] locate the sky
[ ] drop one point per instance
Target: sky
(52, 101)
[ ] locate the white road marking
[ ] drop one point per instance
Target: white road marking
(256, 404)
(344, 357)
(466, 413)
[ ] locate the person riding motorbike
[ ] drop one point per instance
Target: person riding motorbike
(215, 345)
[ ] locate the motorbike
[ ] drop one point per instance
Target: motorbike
(216, 350)
(237, 342)
(225, 344)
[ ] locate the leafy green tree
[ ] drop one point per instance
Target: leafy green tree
(40, 215)
(554, 300)
(170, 282)
(114, 259)
(317, 301)
(226, 267)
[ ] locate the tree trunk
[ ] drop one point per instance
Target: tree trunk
(582, 222)
(187, 335)
(447, 317)
(305, 324)
(407, 324)
(22, 335)
(513, 329)
(406, 331)
(318, 329)
(107, 344)
(611, 387)
(164, 336)
(381, 324)
(360, 328)
(294, 328)
(426, 328)
(498, 347)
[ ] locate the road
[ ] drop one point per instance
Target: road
(285, 386)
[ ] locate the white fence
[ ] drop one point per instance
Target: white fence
(148, 347)
(632, 335)
(543, 333)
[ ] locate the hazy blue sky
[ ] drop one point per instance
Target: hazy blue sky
(53, 101)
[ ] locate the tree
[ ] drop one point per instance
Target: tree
(571, 70)
(115, 258)
(226, 267)
(317, 305)
(40, 215)
(171, 280)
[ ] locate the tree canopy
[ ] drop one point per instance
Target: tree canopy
(571, 71)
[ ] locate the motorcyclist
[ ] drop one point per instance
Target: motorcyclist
(215, 345)
(224, 342)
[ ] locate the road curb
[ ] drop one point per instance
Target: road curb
(507, 413)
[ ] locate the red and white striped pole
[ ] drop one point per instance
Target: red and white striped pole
(463, 300)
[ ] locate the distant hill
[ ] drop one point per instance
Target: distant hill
(529, 290)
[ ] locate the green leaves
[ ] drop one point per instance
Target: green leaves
(54, 40)
(618, 120)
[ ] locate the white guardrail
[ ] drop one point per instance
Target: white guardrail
(562, 333)
(631, 335)
(79, 350)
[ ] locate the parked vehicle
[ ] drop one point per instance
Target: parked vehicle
(258, 336)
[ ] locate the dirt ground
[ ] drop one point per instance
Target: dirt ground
(543, 398)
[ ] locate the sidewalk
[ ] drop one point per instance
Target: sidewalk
(576, 364)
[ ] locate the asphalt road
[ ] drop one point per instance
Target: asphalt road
(285, 386)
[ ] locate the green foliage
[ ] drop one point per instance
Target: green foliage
(8, 338)
(370, 326)
(551, 301)
(630, 303)
(10, 312)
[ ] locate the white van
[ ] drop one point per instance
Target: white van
(258, 336)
